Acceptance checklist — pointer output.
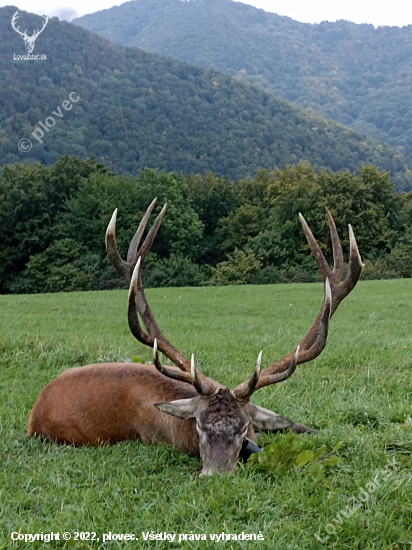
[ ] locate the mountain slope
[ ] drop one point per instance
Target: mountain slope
(138, 109)
(356, 74)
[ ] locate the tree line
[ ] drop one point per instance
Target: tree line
(215, 232)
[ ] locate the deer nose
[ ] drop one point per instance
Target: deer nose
(208, 472)
(211, 471)
(248, 448)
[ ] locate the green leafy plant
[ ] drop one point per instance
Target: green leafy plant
(289, 451)
(237, 270)
(178, 270)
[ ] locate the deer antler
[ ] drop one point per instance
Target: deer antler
(311, 345)
(314, 341)
(126, 269)
(36, 34)
(13, 24)
(137, 305)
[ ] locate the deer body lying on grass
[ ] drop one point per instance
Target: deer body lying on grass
(112, 402)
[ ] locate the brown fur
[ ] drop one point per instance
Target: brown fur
(111, 402)
(223, 415)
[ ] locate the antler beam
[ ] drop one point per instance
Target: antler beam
(205, 386)
(137, 303)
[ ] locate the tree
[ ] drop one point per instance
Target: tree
(32, 196)
(234, 230)
(237, 270)
(367, 201)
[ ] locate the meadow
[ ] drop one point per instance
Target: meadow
(357, 391)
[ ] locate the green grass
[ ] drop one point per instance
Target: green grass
(131, 487)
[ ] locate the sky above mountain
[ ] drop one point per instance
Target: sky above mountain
(395, 13)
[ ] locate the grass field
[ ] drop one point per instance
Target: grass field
(358, 391)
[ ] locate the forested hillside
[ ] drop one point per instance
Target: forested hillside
(215, 232)
(356, 74)
(138, 110)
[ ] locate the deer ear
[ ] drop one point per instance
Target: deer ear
(182, 408)
(265, 420)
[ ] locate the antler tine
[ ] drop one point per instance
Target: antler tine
(267, 380)
(337, 249)
(111, 249)
(206, 387)
(355, 264)
(355, 270)
(152, 233)
(314, 341)
(153, 332)
(281, 376)
(141, 301)
(171, 372)
(323, 265)
(134, 243)
(245, 390)
(126, 268)
(203, 385)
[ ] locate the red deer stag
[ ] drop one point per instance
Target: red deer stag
(106, 403)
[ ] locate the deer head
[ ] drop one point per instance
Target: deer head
(225, 416)
(28, 40)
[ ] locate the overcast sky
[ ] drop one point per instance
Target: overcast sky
(377, 12)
